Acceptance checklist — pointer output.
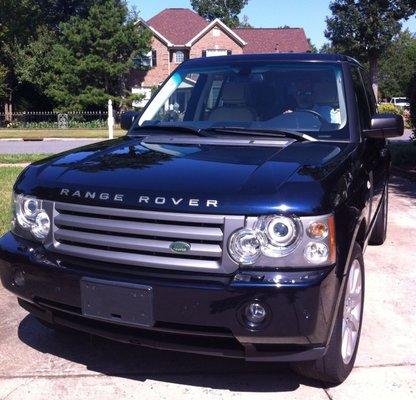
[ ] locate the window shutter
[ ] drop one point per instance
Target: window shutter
(204, 53)
(154, 58)
(229, 52)
(171, 56)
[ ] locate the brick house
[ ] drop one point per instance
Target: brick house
(180, 34)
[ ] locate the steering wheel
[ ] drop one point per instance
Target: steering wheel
(322, 120)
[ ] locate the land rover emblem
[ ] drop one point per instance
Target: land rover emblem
(180, 247)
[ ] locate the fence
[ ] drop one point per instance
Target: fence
(57, 120)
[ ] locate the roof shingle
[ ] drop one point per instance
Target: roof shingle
(178, 25)
(274, 40)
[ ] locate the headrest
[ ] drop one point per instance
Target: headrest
(325, 92)
(233, 93)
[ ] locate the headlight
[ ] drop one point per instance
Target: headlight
(285, 241)
(283, 234)
(245, 246)
(30, 217)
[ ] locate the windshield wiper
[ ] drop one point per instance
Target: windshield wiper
(176, 128)
(262, 132)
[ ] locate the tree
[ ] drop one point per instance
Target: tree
(244, 23)
(20, 21)
(17, 24)
(412, 97)
(314, 49)
(89, 62)
(398, 65)
(365, 28)
(225, 10)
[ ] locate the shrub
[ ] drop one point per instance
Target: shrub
(389, 108)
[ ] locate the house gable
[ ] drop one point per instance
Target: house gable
(221, 26)
(215, 39)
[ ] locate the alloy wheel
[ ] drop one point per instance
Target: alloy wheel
(352, 312)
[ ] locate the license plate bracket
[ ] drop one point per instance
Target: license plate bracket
(117, 302)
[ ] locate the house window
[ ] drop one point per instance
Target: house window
(216, 52)
(147, 61)
(179, 57)
(216, 32)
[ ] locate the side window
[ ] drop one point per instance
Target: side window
(370, 93)
(361, 97)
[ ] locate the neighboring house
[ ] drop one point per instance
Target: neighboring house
(180, 34)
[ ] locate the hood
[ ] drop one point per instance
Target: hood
(200, 177)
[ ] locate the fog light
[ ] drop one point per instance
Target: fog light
(316, 253)
(19, 278)
(255, 314)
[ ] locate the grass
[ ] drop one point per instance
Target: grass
(35, 134)
(403, 154)
(8, 176)
(21, 158)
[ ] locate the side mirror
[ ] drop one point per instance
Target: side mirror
(127, 119)
(385, 126)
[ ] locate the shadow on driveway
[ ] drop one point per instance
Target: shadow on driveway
(133, 362)
(403, 187)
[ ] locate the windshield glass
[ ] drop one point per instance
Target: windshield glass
(302, 97)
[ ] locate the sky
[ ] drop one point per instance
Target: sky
(307, 14)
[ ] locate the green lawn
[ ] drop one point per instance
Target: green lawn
(21, 158)
(57, 133)
(8, 176)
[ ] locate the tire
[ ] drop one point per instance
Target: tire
(379, 233)
(338, 361)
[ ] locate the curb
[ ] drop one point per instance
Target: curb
(403, 173)
(71, 139)
(14, 165)
(50, 139)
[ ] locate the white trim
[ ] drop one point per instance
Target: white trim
(210, 26)
(155, 32)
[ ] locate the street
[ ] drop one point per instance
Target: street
(37, 363)
(57, 146)
(47, 146)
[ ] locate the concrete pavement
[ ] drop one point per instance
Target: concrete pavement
(38, 363)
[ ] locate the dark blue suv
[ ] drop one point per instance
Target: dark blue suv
(231, 220)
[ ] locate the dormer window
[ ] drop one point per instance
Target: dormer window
(179, 57)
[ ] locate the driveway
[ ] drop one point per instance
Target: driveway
(38, 363)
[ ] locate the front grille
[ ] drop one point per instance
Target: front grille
(143, 238)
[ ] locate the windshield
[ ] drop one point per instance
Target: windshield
(302, 97)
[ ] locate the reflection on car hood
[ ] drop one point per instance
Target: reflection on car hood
(236, 179)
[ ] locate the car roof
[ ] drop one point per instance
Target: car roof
(301, 57)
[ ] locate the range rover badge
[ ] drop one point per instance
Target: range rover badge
(180, 247)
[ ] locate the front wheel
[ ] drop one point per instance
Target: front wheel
(339, 359)
(379, 233)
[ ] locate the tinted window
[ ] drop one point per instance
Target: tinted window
(370, 93)
(361, 97)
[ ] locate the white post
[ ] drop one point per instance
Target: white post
(110, 120)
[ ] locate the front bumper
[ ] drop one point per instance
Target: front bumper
(196, 313)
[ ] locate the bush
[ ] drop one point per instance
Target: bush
(389, 109)
(403, 154)
(72, 123)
